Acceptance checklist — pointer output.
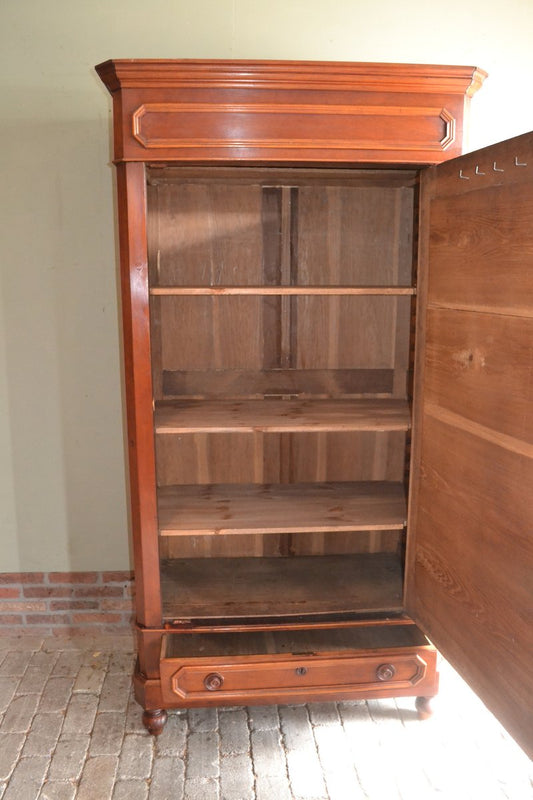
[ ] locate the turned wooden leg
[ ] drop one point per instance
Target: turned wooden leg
(154, 720)
(424, 707)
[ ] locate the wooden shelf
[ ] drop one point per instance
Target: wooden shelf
(280, 508)
(282, 290)
(263, 587)
(277, 416)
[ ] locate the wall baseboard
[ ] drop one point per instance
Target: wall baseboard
(48, 603)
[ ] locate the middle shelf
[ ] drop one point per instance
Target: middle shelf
(277, 415)
(281, 508)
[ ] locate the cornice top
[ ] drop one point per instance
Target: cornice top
(344, 76)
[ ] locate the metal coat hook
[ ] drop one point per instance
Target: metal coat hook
(518, 163)
(464, 177)
(497, 169)
(478, 171)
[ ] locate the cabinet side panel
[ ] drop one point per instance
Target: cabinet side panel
(137, 369)
(471, 524)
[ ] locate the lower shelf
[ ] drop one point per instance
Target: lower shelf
(225, 588)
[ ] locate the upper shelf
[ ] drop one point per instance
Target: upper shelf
(283, 290)
(276, 416)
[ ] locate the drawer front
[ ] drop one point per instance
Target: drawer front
(291, 679)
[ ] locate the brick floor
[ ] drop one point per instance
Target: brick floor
(71, 730)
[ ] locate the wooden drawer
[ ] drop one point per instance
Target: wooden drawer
(327, 665)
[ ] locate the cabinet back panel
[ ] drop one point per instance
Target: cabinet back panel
(350, 333)
(326, 333)
(240, 384)
(216, 234)
(279, 458)
(211, 234)
(209, 333)
(353, 235)
(287, 545)
(218, 458)
(260, 587)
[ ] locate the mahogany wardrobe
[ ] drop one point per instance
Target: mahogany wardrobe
(328, 355)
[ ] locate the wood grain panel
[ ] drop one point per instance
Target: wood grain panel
(344, 332)
(218, 458)
(270, 177)
(480, 365)
(483, 582)
(191, 291)
(204, 333)
(239, 384)
(355, 235)
(237, 545)
(334, 543)
(478, 260)
(363, 456)
(206, 645)
(262, 587)
(289, 508)
(210, 234)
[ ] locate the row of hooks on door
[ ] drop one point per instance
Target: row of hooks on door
(495, 168)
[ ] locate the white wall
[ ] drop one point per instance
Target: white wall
(62, 484)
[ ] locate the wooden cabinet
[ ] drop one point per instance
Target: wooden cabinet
(328, 379)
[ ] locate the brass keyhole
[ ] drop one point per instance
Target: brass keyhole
(301, 670)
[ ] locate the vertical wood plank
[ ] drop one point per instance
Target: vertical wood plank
(153, 229)
(286, 354)
(138, 378)
(271, 273)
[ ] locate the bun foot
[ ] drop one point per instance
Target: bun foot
(424, 706)
(154, 721)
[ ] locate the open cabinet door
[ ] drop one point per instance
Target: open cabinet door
(469, 573)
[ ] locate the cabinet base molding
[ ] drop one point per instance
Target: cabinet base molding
(283, 667)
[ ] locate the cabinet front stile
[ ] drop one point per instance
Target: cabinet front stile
(139, 398)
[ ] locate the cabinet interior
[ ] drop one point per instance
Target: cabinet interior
(281, 312)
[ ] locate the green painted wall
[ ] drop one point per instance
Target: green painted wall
(62, 481)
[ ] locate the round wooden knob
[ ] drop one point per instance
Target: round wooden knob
(213, 681)
(385, 672)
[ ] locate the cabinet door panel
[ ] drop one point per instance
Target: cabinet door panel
(470, 557)
(479, 366)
